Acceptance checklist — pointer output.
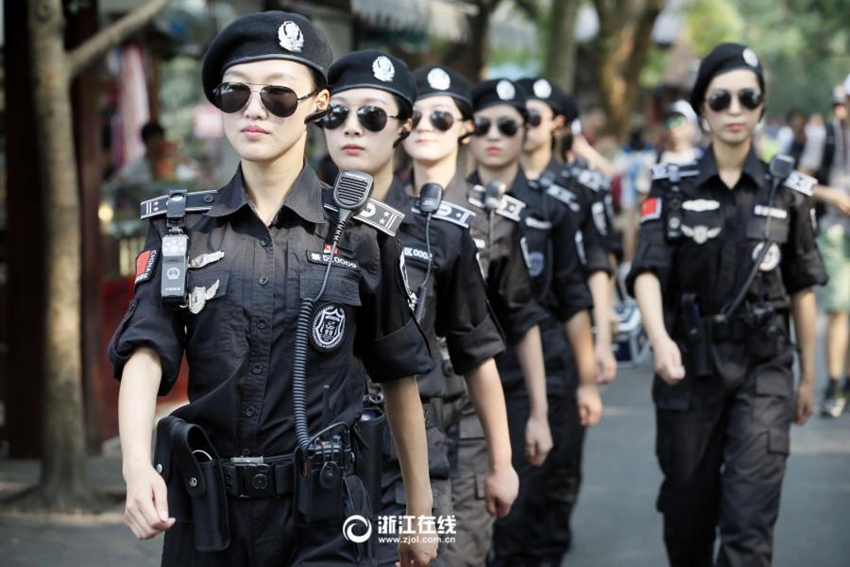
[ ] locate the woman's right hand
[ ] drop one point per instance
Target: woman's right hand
(668, 360)
(146, 510)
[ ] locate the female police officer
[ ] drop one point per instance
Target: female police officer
(256, 249)
(372, 95)
(726, 255)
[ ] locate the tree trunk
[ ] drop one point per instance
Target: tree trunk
(560, 63)
(470, 59)
(625, 36)
(64, 485)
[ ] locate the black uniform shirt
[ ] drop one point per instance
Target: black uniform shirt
(239, 338)
(558, 279)
(584, 192)
(456, 308)
(722, 231)
(498, 237)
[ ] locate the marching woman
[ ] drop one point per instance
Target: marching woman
(259, 467)
(725, 261)
(371, 111)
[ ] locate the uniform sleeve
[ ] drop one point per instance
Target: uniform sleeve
(802, 266)
(149, 323)
(569, 285)
(509, 291)
(464, 317)
(595, 229)
(654, 254)
(389, 342)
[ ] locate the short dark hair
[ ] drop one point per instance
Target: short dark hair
(405, 110)
(795, 113)
(151, 130)
(318, 80)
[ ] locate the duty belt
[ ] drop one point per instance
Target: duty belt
(433, 408)
(258, 477)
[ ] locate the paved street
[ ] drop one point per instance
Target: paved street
(615, 524)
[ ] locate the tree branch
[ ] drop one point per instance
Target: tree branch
(93, 48)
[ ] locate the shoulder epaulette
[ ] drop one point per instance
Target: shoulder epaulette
(593, 180)
(378, 215)
(801, 182)
(563, 195)
(510, 208)
(663, 170)
(196, 202)
(452, 213)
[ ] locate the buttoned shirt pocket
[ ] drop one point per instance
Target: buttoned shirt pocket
(333, 322)
(757, 229)
(207, 315)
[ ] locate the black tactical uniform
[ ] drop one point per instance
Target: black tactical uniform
(559, 285)
(238, 329)
(457, 317)
(723, 431)
(497, 235)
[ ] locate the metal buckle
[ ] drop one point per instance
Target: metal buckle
(247, 460)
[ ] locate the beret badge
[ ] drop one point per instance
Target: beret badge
(290, 37)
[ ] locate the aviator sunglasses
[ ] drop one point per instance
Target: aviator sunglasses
(442, 120)
(280, 101)
(749, 98)
(507, 126)
(373, 118)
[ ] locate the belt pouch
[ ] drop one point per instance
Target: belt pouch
(319, 485)
(370, 456)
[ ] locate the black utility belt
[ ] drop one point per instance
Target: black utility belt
(259, 477)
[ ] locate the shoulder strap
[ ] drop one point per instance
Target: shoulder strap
(667, 170)
(593, 180)
(378, 215)
(563, 195)
(452, 213)
(196, 202)
(510, 208)
(801, 182)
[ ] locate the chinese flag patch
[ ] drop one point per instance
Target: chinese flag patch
(145, 263)
(650, 210)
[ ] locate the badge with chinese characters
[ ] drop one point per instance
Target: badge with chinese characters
(328, 327)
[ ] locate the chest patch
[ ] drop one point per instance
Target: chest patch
(701, 205)
(328, 327)
(701, 233)
(199, 296)
(763, 211)
(771, 259)
(417, 254)
(325, 256)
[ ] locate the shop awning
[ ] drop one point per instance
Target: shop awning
(438, 18)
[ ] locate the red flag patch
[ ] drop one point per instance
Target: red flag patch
(145, 263)
(651, 209)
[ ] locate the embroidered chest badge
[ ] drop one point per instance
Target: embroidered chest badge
(328, 327)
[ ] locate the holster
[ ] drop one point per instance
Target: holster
(189, 464)
(370, 449)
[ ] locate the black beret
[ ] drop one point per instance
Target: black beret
(374, 70)
(499, 91)
(722, 59)
(434, 80)
(265, 35)
(542, 89)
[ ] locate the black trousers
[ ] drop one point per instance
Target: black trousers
(722, 443)
(263, 533)
(537, 528)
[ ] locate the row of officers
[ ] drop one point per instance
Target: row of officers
(375, 349)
